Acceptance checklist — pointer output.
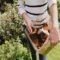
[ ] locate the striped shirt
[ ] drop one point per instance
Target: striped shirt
(35, 8)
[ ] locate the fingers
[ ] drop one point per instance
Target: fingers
(54, 43)
(34, 30)
(53, 40)
(30, 30)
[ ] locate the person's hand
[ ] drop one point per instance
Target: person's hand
(29, 23)
(30, 27)
(54, 36)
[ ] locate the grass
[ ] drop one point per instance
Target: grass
(54, 54)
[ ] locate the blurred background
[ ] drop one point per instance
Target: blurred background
(12, 38)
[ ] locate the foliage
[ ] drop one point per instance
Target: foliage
(10, 29)
(12, 50)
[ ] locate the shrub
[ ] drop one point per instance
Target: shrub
(10, 29)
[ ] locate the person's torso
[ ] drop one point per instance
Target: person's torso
(36, 8)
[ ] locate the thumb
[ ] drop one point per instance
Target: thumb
(30, 30)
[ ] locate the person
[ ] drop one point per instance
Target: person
(31, 9)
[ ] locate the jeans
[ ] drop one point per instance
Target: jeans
(34, 55)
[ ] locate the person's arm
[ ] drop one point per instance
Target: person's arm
(54, 15)
(24, 15)
(22, 11)
(21, 8)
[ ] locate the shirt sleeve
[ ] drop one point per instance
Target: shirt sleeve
(51, 2)
(21, 7)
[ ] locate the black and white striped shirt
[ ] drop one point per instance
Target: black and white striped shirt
(35, 8)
